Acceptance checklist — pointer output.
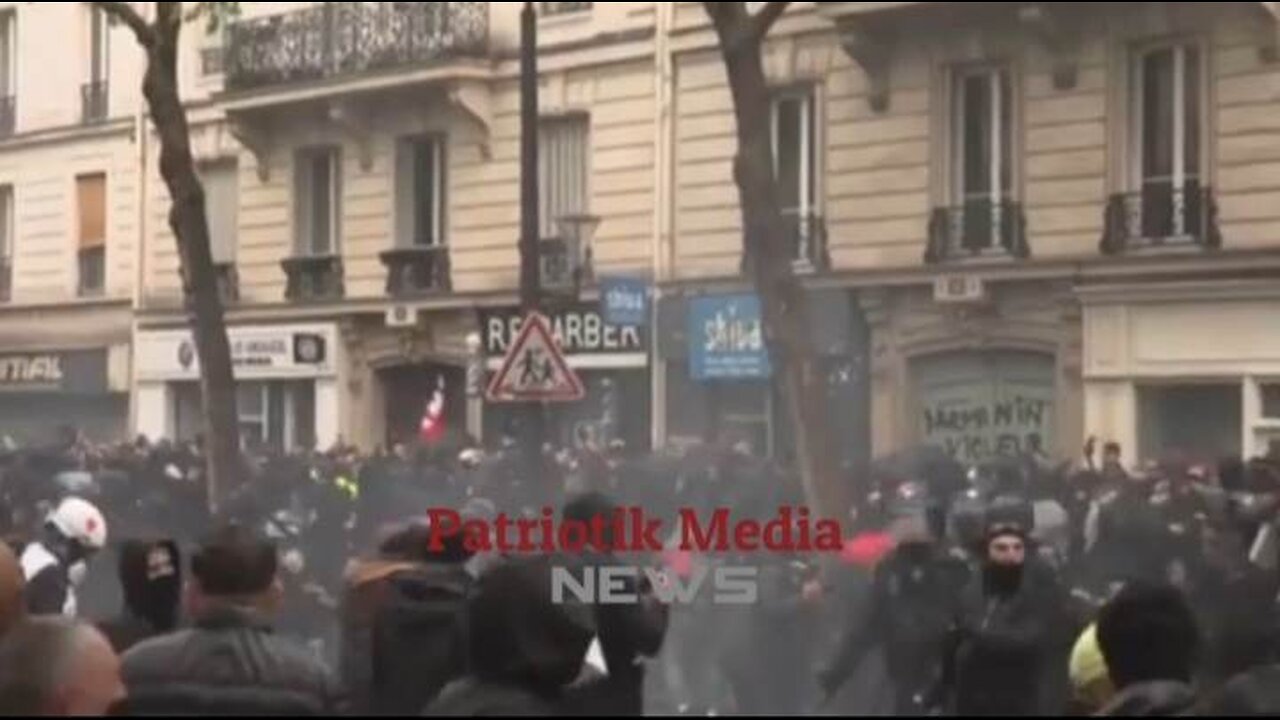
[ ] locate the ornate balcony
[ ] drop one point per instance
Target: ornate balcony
(312, 278)
(566, 266)
(978, 228)
(805, 236)
(1162, 216)
(349, 38)
(417, 271)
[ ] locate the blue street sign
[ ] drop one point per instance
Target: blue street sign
(726, 339)
(624, 301)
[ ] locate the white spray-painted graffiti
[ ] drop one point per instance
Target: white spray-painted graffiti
(972, 430)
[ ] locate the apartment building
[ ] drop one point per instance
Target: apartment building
(69, 217)
(362, 161)
(1051, 218)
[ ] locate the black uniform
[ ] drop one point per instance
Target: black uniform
(909, 614)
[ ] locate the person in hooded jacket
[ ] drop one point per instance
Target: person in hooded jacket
(151, 579)
(910, 610)
(524, 649)
(1149, 639)
(1010, 640)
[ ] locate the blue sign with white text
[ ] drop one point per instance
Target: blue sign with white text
(624, 301)
(726, 339)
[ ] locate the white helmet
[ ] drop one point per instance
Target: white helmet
(80, 521)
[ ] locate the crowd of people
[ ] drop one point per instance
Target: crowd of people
(1017, 587)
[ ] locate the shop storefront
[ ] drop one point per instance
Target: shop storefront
(612, 361)
(287, 389)
(42, 392)
(1191, 369)
(992, 375)
(720, 384)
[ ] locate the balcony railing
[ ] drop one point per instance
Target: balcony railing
(1162, 216)
(6, 280)
(565, 265)
(348, 38)
(805, 237)
(978, 228)
(93, 272)
(8, 115)
(93, 101)
(417, 271)
(312, 278)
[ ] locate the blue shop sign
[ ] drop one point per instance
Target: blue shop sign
(624, 301)
(726, 339)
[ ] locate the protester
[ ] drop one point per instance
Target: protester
(151, 580)
(1090, 681)
(56, 667)
(1149, 639)
(56, 564)
(524, 649)
(229, 662)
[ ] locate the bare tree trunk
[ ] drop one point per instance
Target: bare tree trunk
(769, 262)
(190, 227)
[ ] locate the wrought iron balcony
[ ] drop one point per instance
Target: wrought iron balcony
(8, 115)
(1162, 216)
(311, 278)
(348, 38)
(93, 101)
(417, 271)
(976, 229)
(566, 266)
(805, 236)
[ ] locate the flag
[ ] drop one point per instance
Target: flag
(431, 430)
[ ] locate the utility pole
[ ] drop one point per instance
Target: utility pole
(534, 422)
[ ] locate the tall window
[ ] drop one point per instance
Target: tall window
(795, 140)
(982, 153)
(1167, 138)
(6, 242)
(563, 8)
(8, 53)
(420, 191)
(91, 197)
(221, 197)
(563, 169)
(318, 200)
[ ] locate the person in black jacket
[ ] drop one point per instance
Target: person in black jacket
(525, 650)
(1009, 642)
(229, 662)
(910, 610)
(1149, 639)
(151, 578)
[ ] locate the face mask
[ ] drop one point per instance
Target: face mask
(76, 573)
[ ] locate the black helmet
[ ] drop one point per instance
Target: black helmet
(1009, 514)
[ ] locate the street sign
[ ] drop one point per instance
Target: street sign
(624, 301)
(535, 369)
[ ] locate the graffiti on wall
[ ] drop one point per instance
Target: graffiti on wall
(977, 429)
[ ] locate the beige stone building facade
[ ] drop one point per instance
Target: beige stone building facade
(1022, 223)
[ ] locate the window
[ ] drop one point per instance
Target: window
(1271, 401)
(982, 155)
(562, 171)
(420, 192)
(318, 195)
(1202, 421)
(221, 202)
(8, 53)
(6, 242)
(279, 415)
(99, 46)
(1167, 142)
(795, 135)
(563, 8)
(91, 197)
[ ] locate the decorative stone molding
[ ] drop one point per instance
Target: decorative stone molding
(872, 48)
(357, 127)
(255, 137)
(475, 102)
(1059, 36)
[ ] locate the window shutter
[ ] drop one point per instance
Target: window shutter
(92, 196)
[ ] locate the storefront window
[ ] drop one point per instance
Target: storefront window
(1271, 401)
(278, 415)
(1198, 421)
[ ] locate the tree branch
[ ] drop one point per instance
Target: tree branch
(762, 21)
(125, 13)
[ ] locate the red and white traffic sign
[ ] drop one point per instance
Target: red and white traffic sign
(535, 369)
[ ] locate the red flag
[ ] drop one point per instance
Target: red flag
(867, 549)
(431, 430)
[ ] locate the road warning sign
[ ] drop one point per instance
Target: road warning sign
(535, 369)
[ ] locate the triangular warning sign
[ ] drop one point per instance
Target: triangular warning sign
(534, 369)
